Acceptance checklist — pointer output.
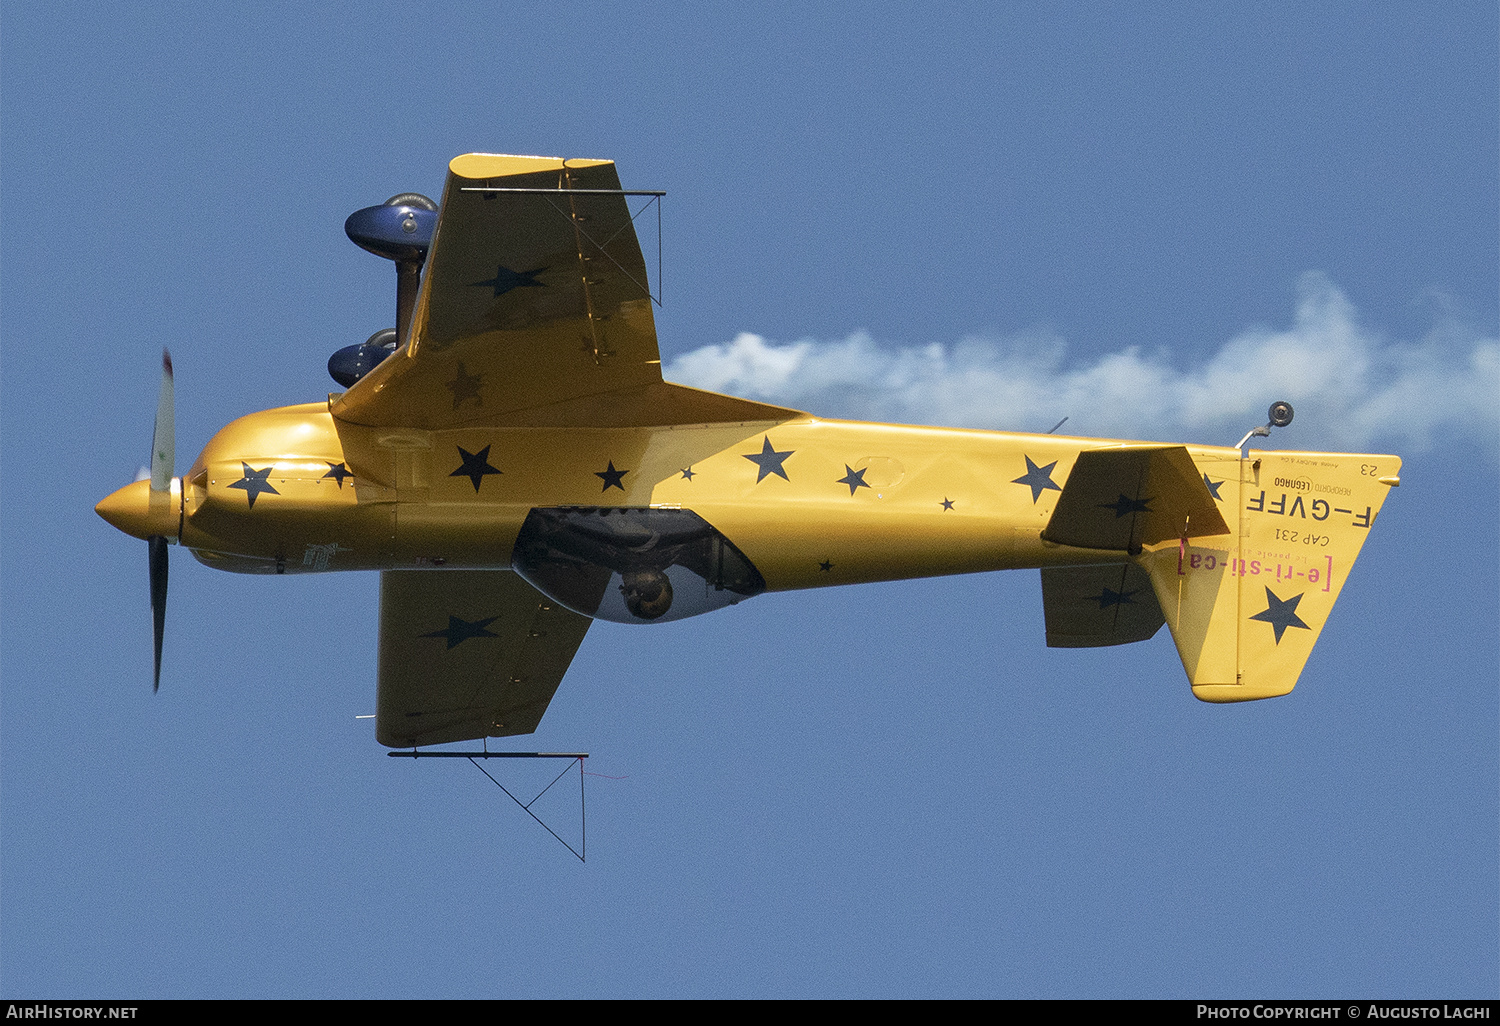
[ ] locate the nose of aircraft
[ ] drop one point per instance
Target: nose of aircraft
(142, 513)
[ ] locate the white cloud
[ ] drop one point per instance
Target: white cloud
(1353, 389)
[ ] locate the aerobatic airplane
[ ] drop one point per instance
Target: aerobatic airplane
(511, 461)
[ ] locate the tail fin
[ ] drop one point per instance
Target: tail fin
(1245, 608)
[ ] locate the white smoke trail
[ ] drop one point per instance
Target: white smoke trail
(1352, 388)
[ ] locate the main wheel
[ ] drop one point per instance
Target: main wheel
(410, 199)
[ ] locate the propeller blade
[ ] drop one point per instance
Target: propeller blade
(163, 440)
(163, 458)
(158, 598)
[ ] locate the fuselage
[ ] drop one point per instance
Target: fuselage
(809, 502)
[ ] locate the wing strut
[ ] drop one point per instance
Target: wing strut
(574, 758)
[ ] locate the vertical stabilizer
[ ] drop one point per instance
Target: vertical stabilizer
(1246, 608)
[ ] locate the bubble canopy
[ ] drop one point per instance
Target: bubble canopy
(632, 565)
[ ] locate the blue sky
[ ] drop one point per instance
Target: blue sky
(936, 215)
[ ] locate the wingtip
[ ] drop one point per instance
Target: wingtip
(504, 165)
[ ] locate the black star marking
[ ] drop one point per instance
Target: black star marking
(1281, 614)
(611, 477)
(254, 482)
(338, 472)
(505, 279)
(459, 630)
(687, 473)
(1213, 487)
(853, 478)
(825, 566)
(466, 386)
(1124, 505)
(475, 465)
(1038, 479)
(769, 461)
(1109, 597)
(947, 503)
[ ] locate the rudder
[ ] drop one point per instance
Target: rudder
(1246, 608)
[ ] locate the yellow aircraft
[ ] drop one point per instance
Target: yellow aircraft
(512, 462)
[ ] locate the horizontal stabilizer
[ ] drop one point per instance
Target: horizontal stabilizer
(1126, 498)
(1093, 606)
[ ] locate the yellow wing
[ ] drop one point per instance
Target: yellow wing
(528, 298)
(467, 654)
(534, 311)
